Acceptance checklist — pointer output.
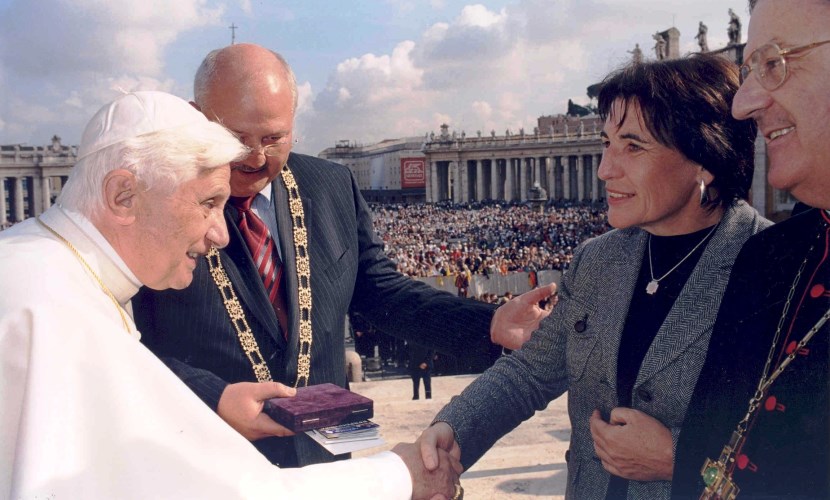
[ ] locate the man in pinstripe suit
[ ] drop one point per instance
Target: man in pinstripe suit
(252, 91)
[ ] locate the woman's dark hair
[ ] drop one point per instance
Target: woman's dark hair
(686, 105)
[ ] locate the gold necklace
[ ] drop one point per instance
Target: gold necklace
(303, 268)
(90, 271)
(717, 475)
(654, 284)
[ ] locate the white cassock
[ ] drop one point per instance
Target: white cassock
(86, 411)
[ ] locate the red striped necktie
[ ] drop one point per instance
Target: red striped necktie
(265, 255)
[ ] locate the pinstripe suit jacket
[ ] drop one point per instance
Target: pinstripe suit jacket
(597, 290)
(190, 330)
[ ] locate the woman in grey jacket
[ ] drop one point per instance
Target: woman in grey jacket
(630, 333)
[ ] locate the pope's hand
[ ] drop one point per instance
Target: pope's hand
(241, 407)
(516, 319)
(436, 484)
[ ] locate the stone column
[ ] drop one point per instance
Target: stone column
(552, 178)
(595, 180)
(566, 177)
(18, 199)
(464, 168)
(46, 194)
(495, 181)
(431, 182)
(580, 178)
(508, 179)
(444, 177)
(436, 187)
(4, 219)
(456, 181)
(35, 188)
(480, 180)
(447, 181)
(532, 176)
(541, 178)
(522, 178)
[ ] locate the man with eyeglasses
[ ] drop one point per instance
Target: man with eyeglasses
(269, 310)
(758, 425)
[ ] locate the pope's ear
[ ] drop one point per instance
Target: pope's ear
(121, 195)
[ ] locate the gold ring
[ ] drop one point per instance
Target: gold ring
(459, 492)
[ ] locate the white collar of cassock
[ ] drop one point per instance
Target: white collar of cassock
(96, 251)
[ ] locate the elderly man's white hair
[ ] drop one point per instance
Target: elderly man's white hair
(158, 137)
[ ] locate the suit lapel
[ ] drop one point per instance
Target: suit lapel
(246, 280)
(623, 265)
(694, 311)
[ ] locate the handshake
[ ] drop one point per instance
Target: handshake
(434, 462)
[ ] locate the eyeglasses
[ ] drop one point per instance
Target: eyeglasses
(769, 63)
(276, 147)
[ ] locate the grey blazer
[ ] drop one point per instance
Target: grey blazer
(597, 290)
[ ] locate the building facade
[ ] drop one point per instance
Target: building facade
(559, 164)
(31, 177)
(391, 171)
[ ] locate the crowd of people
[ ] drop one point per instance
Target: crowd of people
(489, 238)
(693, 340)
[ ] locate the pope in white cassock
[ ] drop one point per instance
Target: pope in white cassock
(85, 410)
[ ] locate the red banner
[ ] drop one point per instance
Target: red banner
(413, 173)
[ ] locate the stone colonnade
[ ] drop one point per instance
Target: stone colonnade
(504, 177)
(23, 196)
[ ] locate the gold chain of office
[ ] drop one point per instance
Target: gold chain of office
(303, 268)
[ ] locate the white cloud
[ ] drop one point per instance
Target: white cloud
(74, 100)
(479, 16)
(372, 79)
(305, 103)
(439, 119)
(343, 95)
(62, 60)
(481, 71)
(376, 92)
(491, 65)
(482, 109)
(90, 35)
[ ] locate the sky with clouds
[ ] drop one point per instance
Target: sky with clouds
(366, 70)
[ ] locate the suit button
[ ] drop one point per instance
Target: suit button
(644, 395)
(567, 455)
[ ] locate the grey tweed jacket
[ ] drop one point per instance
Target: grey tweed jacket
(596, 292)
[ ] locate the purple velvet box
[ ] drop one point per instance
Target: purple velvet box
(318, 406)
